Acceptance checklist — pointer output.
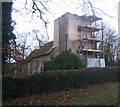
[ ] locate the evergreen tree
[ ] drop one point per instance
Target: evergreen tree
(8, 38)
(7, 35)
(66, 60)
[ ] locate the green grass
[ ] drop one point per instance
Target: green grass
(100, 94)
(107, 97)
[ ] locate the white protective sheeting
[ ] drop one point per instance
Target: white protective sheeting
(95, 62)
(102, 62)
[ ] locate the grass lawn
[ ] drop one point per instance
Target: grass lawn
(101, 94)
(104, 96)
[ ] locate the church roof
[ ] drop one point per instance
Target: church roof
(43, 51)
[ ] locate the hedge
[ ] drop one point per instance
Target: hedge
(56, 81)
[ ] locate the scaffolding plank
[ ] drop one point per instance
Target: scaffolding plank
(92, 28)
(92, 39)
(92, 50)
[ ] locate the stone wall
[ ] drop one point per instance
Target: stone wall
(66, 33)
(36, 64)
(56, 37)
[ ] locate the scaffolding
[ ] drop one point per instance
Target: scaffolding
(88, 43)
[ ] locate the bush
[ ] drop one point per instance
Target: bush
(10, 68)
(56, 81)
(66, 60)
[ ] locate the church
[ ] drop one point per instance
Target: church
(82, 34)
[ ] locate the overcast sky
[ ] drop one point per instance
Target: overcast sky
(26, 23)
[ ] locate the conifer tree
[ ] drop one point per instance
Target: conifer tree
(8, 37)
(66, 60)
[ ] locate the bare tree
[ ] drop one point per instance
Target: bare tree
(110, 42)
(20, 50)
(117, 50)
(40, 38)
(39, 7)
(36, 8)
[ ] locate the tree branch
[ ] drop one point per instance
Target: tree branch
(35, 8)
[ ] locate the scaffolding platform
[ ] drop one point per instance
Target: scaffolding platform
(93, 39)
(92, 50)
(92, 28)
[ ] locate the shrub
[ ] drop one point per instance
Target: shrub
(66, 60)
(56, 81)
(10, 68)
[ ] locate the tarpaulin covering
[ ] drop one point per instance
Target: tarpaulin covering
(95, 62)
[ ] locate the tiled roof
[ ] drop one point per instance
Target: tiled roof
(44, 50)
